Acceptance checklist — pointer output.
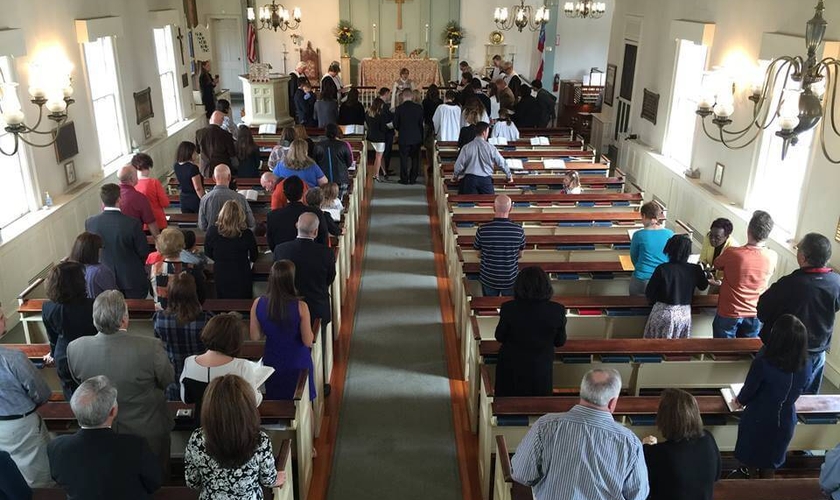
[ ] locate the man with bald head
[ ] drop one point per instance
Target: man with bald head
(133, 203)
(500, 244)
(211, 204)
(214, 144)
(314, 266)
(273, 185)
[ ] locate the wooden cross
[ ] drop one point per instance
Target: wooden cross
(180, 38)
(399, 13)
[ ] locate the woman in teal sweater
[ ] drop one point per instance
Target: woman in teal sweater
(646, 247)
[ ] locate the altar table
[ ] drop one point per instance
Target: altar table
(384, 72)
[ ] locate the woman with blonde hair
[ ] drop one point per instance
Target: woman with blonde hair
(233, 247)
(297, 163)
(170, 243)
(229, 456)
(278, 152)
(687, 464)
(571, 182)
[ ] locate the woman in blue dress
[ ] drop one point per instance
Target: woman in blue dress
(776, 379)
(283, 319)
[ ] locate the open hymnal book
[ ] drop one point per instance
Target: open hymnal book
(631, 232)
(554, 164)
(268, 128)
(729, 394)
(694, 258)
(498, 141)
(515, 164)
(353, 129)
(249, 194)
(539, 141)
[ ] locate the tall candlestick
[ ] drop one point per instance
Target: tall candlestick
(427, 33)
(374, 32)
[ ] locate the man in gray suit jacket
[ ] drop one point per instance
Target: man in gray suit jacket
(137, 366)
(125, 247)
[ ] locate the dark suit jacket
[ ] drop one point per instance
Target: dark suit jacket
(125, 250)
(280, 224)
(216, 146)
(294, 80)
(408, 121)
(314, 273)
(529, 113)
(99, 464)
(485, 100)
(12, 484)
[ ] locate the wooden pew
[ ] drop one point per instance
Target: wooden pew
(555, 142)
(294, 418)
(512, 417)
(282, 460)
(505, 488)
(522, 154)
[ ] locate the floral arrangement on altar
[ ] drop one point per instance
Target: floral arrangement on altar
(453, 33)
(345, 33)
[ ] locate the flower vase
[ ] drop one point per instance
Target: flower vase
(344, 51)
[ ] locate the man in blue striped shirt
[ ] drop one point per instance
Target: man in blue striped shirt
(500, 244)
(584, 454)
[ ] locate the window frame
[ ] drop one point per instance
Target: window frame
(678, 95)
(170, 73)
(116, 95)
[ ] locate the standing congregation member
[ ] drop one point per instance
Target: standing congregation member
(408, 121)
(335, 157)
(500, 244)
(431, 102)
(561, 453)
(351, 111)
(133, 203)
(496, 71)
(12, 483)
(283, 320)
(812, 294)
(548, 103)
(223, 336)
(529, 112)
(472, 115)
(280, 224)
(67, 315)
(475, 164)
(125, 247)
(687, 465)
(298, 163)
(646, 247)
(151, 188)
(305, 104)
(830, 474)
(478, 93)
(190, 181)
(97, 462)
(179, 326)
(248, 154)
(295, 77)
(137, 366)
(171, 243)
(388, 117)
(670, 290)
(278, 152)
(313, 199)
(211, 205)
(507, 100)
(718, 239)
(207, 83)
(23, 434)
(530, 327)
(233, 248)
(229, 456)
(215, 145)
(326, 108)
(87, 250)
(377, 136)
(447, 118)
(314, 267)
(746, 274)
(777, 377)
(505, 128)
(223, 107)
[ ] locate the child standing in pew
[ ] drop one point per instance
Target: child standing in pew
(505, 127)
(646, 247)
(332, 203)
(670, 290)
(776, 379)
(571, 182)
(191, 254)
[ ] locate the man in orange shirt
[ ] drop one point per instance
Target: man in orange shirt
(274, 187)
(746, 274)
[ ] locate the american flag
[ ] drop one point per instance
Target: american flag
(252, 43)
(541, 49)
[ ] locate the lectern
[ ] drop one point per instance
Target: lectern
(266, 101)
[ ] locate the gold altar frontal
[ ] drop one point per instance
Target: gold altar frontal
(384, 72)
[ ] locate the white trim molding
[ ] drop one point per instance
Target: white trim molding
(90, 30)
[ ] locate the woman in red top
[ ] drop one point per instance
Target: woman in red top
(151, 187)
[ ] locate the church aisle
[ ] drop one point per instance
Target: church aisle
(396, 437)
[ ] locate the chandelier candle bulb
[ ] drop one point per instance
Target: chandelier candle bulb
(56, 106)
(251, 16)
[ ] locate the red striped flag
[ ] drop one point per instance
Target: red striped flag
(541, 49)
(252, 43)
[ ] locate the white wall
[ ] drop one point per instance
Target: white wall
(583, 44)
(477, 21)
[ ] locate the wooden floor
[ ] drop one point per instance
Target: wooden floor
(467, 443)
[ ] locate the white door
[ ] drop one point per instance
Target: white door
(227, 53)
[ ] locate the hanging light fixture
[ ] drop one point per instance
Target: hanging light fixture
(521, 18)
(52, 90)
(806, 97)
(275, 16)
(586, 9)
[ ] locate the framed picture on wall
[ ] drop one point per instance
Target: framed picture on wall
(70, 173)
(147, 129)
(143, 105)
(609, 84)
(718, 177)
